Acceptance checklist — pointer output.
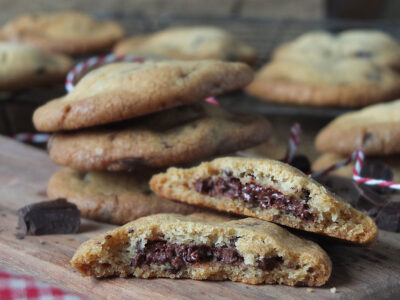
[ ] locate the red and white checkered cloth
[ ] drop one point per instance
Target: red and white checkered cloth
(21, 287)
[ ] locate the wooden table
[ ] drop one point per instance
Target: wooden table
(358, 273)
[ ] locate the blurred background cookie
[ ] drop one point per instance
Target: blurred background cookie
(375, 129)
(66, 32)
(24, 66)
(353, 68)
(190, 43)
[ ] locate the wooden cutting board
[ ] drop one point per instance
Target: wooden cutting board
(358, 273)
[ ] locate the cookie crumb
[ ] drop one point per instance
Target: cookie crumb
(310, 290)
(42, 243)
(333, 290)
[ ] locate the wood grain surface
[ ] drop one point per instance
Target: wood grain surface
(358, 273)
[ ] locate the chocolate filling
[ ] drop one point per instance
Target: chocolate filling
(254, 193)
(181, 255)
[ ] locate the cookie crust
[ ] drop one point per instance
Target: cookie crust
(176, 136)
(115, 198)
(122, 91)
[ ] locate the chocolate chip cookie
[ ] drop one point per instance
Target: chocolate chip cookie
(204, 247)
(353, 68)
(24, 66)
(328, 159)
(189, 43)
(115, 198)
(65, 32)
(176, 136)
(122, 91)
(375, 128)
(268, 190)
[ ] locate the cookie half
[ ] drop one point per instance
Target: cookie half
(188, 43)
(122, 91)
(353, 68)
(176, 136)
(268, 190)
(375, 128)
(67, 32)
(24, 66)
(204, 247)
(115, 198)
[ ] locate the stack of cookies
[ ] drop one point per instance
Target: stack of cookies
(123, 121)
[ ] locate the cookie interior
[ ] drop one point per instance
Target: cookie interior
(204, 246)
(268, 190)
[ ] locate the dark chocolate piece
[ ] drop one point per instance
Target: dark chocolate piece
(302, 163)
(49, 217)
(380, 203)
(254, 193)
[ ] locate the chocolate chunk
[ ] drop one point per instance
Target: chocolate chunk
(388, 218)
(49, 217)
(253, 193)
(302, 163)
(380, 203)
(270, 263)
(378, 170)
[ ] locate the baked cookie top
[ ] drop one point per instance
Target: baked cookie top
(24, 66)
(259, 251)
(268, 190)
(190, 43)
(353, 68)
(375, 128)
(122, 91)
(176, 136)
(67, 32)
(112, 197)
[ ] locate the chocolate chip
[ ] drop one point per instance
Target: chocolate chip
(40, 71)
(107, 237)
(270, 263)
(131, 230)
(49, 217)
(363, 54)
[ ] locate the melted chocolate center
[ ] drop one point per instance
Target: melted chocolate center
(254, 193)
(181, 255)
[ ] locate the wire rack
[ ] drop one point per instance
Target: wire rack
(263, 34)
